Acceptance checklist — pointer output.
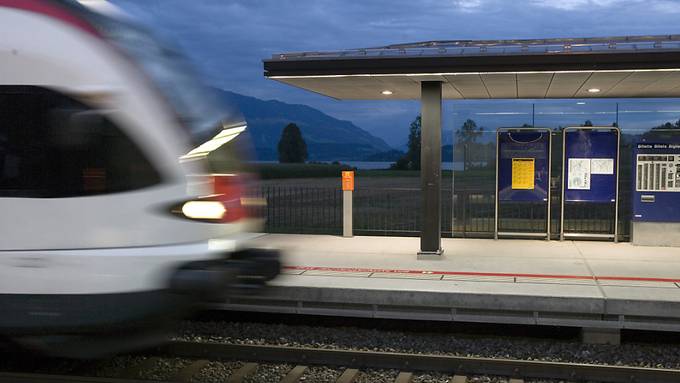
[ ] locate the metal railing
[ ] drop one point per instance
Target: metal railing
(383, 211)
(300, 209)
(396, 212)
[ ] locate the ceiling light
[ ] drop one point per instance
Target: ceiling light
(594, 90)
(386, 92)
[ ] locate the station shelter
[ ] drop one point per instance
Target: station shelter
(568, 178)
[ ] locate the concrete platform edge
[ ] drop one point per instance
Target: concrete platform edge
(591, 313)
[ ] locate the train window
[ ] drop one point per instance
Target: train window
(52, 146)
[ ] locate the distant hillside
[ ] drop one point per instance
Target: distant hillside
(390, 155)
(327, 138)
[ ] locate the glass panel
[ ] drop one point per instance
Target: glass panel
(470, 141)
(474, 154)
(52, 146)
(557, 115)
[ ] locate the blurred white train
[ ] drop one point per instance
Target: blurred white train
(121, 188)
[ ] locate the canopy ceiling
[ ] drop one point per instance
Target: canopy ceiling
(618, 67)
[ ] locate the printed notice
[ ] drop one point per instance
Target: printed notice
(523, 173)
(579, 174)
(601, 166)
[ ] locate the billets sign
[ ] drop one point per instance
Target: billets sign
(656, 178)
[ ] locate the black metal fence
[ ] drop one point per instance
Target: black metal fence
(299, 209)
(396, 211)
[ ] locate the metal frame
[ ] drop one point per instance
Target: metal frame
(545, 235)
(615, 235)
(499, 47)
(647, 53)
(453, 186)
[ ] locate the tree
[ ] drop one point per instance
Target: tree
(467, 136)
(292, 147)
(413, 153)
(401, 164)
(411, 160)
(468, 133)
(655, 131)
(668, 126)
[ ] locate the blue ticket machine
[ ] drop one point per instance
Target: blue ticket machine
(656, 192)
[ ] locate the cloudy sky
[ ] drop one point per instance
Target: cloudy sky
(227, 40)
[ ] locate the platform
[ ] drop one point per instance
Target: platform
(572, 283)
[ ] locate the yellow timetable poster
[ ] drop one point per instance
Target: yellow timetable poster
(523, 173)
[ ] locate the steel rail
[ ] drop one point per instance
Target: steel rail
(12, 377)
(422, 362)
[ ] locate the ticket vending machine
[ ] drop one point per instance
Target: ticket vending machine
(656, 192)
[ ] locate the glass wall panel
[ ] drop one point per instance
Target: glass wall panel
(469, 158)
(470, 151)
(580, 217)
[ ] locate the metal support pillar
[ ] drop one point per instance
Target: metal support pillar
(430, 168)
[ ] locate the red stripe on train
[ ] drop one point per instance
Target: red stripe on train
(52, 11)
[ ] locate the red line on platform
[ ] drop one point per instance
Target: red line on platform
(478, 274)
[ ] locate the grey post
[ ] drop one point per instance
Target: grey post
(549, 207)
(562, 181)
(453, 188)
(430, 167)
(618, 158)
(495, 198)
(347, 213)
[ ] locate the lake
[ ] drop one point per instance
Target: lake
(375, 165)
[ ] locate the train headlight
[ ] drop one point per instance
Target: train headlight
(218, 198)
(204, 209)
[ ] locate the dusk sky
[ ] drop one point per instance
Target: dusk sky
(227, 41)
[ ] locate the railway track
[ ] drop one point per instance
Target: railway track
(459, 368)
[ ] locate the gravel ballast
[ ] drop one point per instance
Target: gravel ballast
(431, 378)
(216, 372)
(267, 373)
(353, 338)
(321, 374)
(376, 376)
(165, 369)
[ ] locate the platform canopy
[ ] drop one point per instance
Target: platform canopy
(611, 67)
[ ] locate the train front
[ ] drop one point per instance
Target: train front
(122, 183)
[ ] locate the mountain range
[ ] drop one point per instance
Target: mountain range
(327, 138)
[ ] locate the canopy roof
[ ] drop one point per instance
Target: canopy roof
(609, 67)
